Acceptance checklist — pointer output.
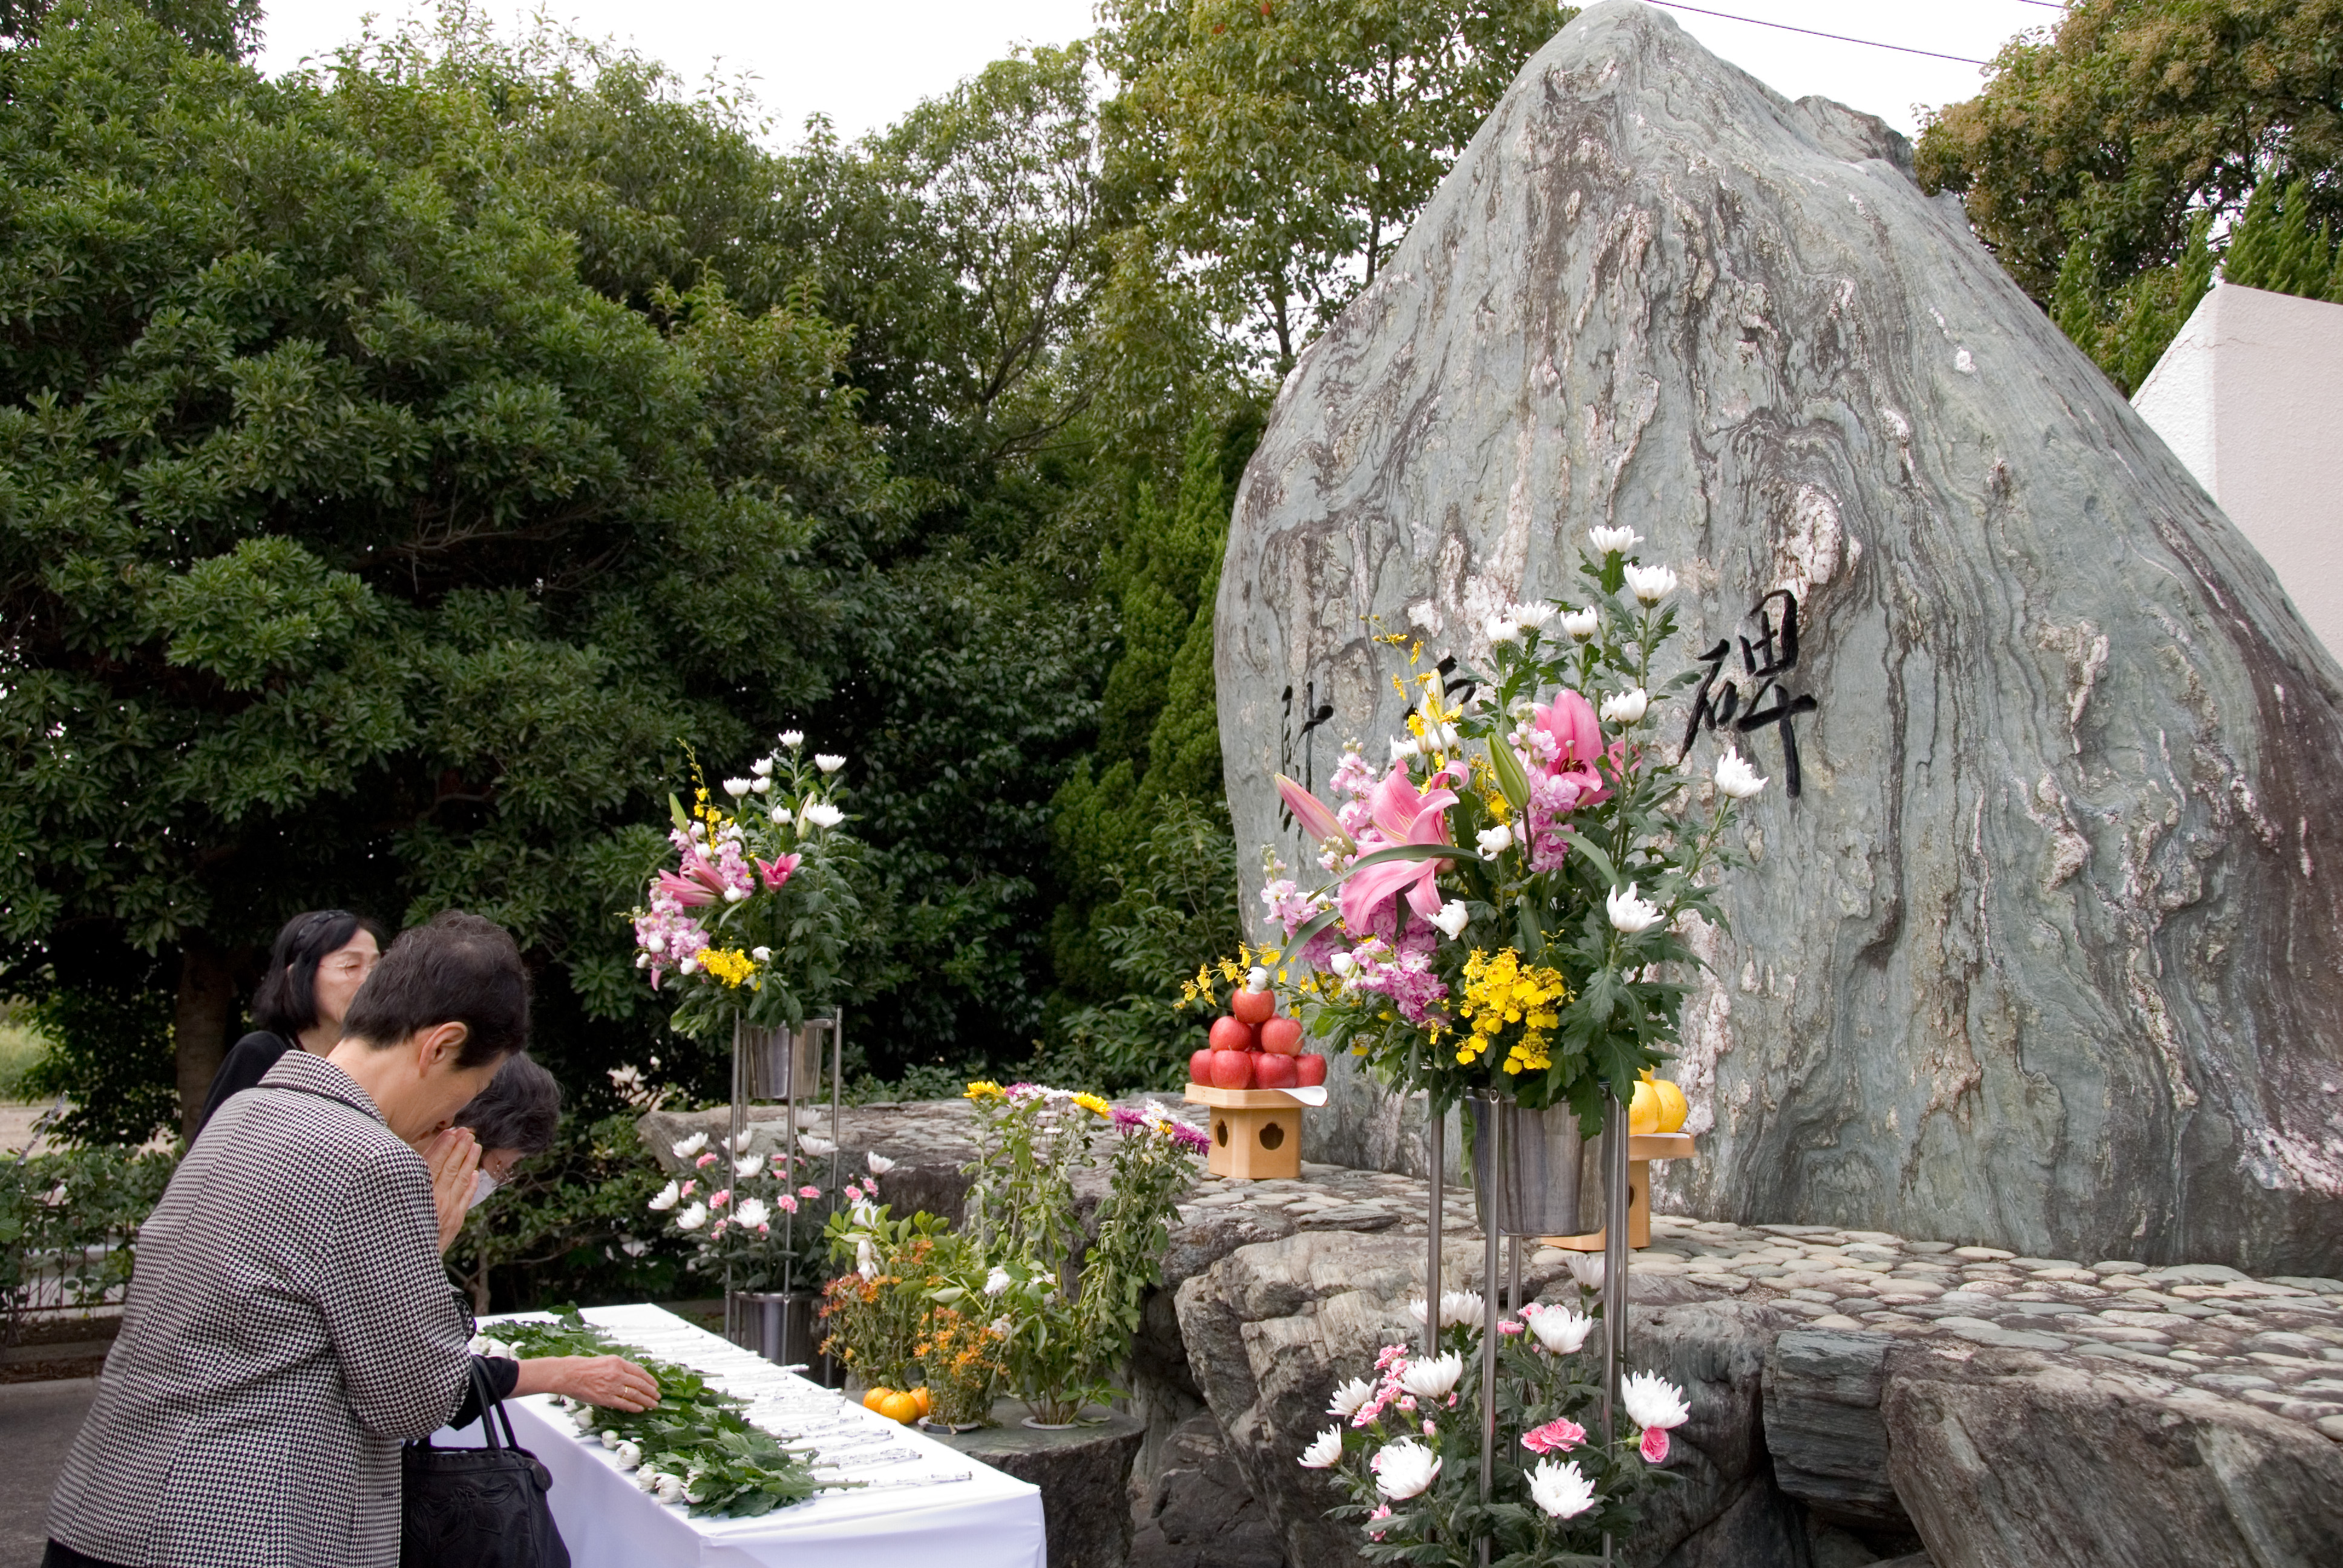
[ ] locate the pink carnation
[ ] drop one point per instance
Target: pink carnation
(1559, 1436)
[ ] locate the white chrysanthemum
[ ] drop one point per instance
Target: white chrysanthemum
(763, 955)
(1605, 540)
(1651, 584)
(1626, 707)
(1558, 1328)
(864, 1214)
(1432, 1377)
(817, 1147)
(1494, 841)
(1652, 1401)
(666, 1198)
(1736, 778)
(1465, 1307)
(670, 1489)
(1581, 624)
(1629, 913)
(762, 786)
(736, 788)
(879, 1163)
(793, 739)
(1452, 918)
(1404, 1469)
(752, 1212)
(691, 1146)
(630, 1456)
(750, 1166)
(1502, 628)
(996, 1281)
(866, 1260)
(826, 762)
(1532, 615)
(1563, 1491)
(609, 1438)
(822, 814)
(1350, 1397)
(762, 767)
(693, 1218)
(1403, 749)
(583, 1417)
(1322, 1453)
(648, 1479)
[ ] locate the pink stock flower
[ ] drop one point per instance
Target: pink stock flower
(777, 872)
(1654, 1446)
(1403, 814)
(1558, 1436)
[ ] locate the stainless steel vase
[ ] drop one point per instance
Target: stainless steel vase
(779, 1326)
(767, 1056)
(1536, 1190)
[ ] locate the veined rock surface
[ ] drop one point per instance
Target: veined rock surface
(2047, 949)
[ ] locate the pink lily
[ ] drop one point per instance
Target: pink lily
(1578, 742)
(1404, 816)
(776, 871)
(700, 882)
(1316, 818)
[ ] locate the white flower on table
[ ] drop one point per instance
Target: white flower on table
(1322, 1453)
(670, 1489)
(630, 1456)
(1404, 1469)
(610, 1439)
(1564, 1490)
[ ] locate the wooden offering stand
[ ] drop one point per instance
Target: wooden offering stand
(1256, 1132)
(1642, 1148)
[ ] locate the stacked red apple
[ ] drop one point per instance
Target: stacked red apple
(1252, 1047)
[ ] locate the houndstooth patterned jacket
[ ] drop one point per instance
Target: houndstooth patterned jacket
(289, 1323)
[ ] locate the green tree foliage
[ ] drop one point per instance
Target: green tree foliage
(2108, 157)
(2275, 245)
(1281, 146)
(224, 26)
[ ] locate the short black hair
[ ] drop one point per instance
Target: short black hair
(286, 1001)
(457, 968)
(518, 1110)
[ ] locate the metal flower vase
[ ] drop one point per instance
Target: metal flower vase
(782, 1326)
(1539, 1155)
(771, 1064)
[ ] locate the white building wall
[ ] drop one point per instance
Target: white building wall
(2249, 395)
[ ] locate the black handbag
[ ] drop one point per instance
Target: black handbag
(478, 1507)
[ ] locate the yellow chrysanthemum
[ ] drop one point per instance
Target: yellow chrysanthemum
(1093, 1104)
(729, 965)
(984, 1088)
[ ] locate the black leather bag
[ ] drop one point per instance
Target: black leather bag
(478, 1507)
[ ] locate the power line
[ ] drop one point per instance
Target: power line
(1835, 37)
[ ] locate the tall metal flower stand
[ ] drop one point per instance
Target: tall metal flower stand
(768, 1064)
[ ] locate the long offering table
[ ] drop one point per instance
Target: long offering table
(921, 1502)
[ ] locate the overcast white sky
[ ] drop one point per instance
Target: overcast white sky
(864, 62)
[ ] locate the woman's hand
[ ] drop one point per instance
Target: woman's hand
(453, 1156)
(612, 1382)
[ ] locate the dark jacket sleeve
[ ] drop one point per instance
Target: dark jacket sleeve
(503, 1375)
(247, 1063)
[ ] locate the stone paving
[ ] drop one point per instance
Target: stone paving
(2275, 1343)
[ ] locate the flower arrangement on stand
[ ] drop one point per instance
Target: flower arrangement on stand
(1506, 897)
(760, 1219)
(749, 928)
(1065, 1300)
(1406, 1445)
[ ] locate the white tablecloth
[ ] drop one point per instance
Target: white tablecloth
(927, 1505)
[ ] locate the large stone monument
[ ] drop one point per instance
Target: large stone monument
(2046, 949)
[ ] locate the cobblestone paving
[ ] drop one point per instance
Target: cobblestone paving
(2276, 1342)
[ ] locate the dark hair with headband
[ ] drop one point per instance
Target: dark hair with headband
(286, 1001)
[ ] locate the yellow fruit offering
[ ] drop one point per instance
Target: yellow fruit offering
(1673, 1107)
(899, 1407)
(871, 1399)
(927, 1403)
(1644, 1113)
